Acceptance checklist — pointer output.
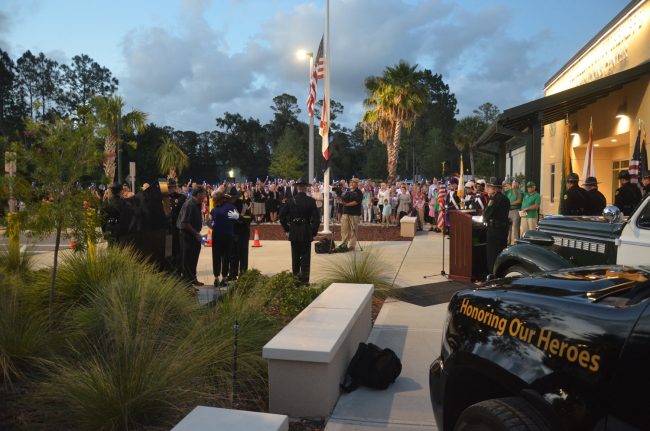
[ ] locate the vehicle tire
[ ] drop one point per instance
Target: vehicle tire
(516, 271)
(501, 414)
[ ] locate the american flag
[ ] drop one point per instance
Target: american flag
(442, 194)
(635, 163)
(317, 73)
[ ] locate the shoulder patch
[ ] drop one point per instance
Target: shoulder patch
(565, 196)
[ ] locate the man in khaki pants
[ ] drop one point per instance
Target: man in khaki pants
(351, 201)
(530, 205)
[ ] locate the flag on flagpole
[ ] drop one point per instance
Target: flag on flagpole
(566, 162)
(636, 158)
(323, 130)
(461, 186)
(588, 169)
(643, 161)
(317, 73)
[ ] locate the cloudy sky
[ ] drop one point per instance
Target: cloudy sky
(186, 62)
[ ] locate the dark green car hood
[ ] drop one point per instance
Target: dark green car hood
(577, 226)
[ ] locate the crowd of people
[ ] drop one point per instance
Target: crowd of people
(229, 209)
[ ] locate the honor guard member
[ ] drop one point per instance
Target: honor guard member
(628, 195)
(239, 258)
(495, 217)
(300, 220)
(596, 201)
(452, 200)
(176, 201)
(480, 197)
(645, 181)
(468, 199)
(574, 200)
(190, 222)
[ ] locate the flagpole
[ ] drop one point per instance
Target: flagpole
(311, 126)
(326, 106)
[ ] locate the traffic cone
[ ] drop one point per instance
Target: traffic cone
(256, 239)
(208, 240)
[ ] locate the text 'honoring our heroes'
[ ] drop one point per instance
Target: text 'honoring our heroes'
(544, 339)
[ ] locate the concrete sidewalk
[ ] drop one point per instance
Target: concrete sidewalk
(414, 333)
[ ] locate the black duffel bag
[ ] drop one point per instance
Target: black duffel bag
(373, 367)
(325, 245)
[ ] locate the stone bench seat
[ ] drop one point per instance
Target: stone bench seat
(215, 419)
(308, 357)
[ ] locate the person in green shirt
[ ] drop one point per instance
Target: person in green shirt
(514, 195)
(530, 203)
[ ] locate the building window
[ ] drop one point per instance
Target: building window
(618, 166)
(552, 182)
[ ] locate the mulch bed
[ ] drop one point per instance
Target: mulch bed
(274, 232)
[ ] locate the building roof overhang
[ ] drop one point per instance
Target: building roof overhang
(549, 109)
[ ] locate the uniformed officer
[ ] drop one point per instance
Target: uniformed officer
(239, 258)
(628, 195)
(596, 201)
(495, 217)
(646, 183)
(300, 220)
(176, 201)
(452, 200)
(480, 198)
(190, 222)
(118, 217)
(574, 200)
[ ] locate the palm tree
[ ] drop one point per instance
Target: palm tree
(395, 100)
(171, 158)
(466, 133)
(108, 111)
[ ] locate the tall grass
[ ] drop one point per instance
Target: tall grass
(24, 340)
(359, 267)
(13, 261)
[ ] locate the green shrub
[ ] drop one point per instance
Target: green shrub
(286, 296)
(24, 339)
(365, 267)
(12, 261)
(250, 282)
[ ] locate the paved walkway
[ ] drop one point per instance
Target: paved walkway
(413, 332)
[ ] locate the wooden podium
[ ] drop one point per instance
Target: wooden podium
(460, 245)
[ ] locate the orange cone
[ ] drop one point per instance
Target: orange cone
(208, 239)
(256, 239)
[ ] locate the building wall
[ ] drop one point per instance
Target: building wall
(625, 46)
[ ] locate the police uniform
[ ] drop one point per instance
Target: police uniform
(596, 201)
(495, 217)
(176, 201)
(300, 220)
(574, 200)
(119, 218)
(190, 221)
(239, 258)
(627, 196)
(646, 189)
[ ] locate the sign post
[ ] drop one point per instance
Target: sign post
(132, 175)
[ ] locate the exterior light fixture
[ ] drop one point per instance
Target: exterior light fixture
(622, 111)
(303, 54)
(231, 173)
(574, 130)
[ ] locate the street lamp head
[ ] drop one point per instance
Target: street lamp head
(303, 54)
(231, 173)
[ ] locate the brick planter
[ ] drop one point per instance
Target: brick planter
(270, 232)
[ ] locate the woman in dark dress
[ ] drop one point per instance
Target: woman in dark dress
(272, 202)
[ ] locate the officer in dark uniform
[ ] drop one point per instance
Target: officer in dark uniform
(495, 217)
(645, 181)
(574, 200)
(190, 222)
(628, 195)
(239, 257)
(300, 220)
(176, 201)
(118, 217)
(596, 201)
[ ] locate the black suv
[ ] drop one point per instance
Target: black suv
(563, 350)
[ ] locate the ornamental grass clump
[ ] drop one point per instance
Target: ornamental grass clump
(365, 267)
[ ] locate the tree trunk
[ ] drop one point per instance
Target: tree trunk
(57, 243)
(393, 151)
(471, 160)
(110, 146)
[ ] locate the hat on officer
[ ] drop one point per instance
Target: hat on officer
(453, 180)
(591, 181)
(531, 184)
(624, 175)
(495, 182)
(572, 178)
(646, 174)
(469, 184)
(480, 182)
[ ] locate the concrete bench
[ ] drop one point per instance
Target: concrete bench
(308, 358)
(214, 419)
(407, 226)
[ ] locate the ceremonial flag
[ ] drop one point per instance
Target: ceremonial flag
(442, 194)
(323, 130)
(643, 161)
(636, 158)
(461, 186)
(317, 73)
(566, 163)
(588, 169)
